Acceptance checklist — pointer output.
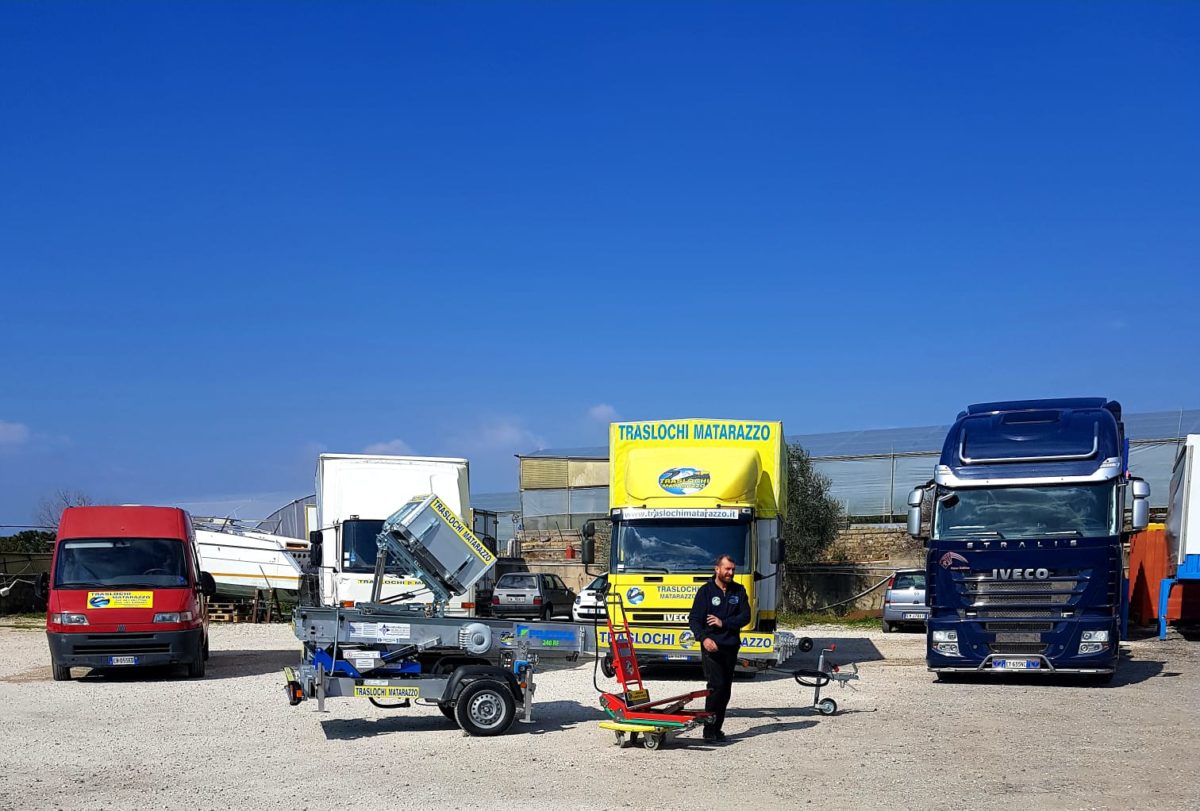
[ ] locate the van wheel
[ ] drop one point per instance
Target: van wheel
(60, 672)
(195, 668)
(206, 648)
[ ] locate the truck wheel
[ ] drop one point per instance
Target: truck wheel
(485, 708)
(60, 672)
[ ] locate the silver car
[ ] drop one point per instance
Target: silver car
(904, 600)
(532, 594)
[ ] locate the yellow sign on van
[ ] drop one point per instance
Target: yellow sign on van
(120, 599)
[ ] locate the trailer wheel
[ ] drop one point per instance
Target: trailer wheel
(60, 672)
(485, 707)
(447, 709)
(827, 706)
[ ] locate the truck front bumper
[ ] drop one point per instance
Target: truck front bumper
(115, 650)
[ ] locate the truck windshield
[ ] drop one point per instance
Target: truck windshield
(120, 562)
(679, 546)
(1084, 511)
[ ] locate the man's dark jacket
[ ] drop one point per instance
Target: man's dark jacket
(731, 606)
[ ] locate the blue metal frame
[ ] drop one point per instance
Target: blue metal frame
(1188, 570)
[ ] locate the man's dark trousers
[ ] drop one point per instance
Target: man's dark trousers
(718, 672)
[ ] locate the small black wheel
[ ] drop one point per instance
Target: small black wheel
(606, 667)
(447, 709)
(619, 737)
(60, 672)
(806, 644)
(827, 706)
(485, 707)
(653, 741)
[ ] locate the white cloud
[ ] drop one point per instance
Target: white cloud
(13, 433)
(603, 412)
(394, 447)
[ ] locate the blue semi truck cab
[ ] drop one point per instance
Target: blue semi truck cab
(1025, 558)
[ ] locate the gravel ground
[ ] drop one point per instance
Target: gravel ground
(901, 740)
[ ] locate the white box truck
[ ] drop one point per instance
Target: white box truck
(355, 494)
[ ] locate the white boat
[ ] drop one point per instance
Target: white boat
(242, 560)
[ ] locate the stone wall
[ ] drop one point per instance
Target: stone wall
(866, 543)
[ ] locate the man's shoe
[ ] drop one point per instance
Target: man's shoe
(711, 734)
(719, 736)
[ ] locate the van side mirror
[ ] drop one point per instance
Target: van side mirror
(208, 586)
(915, 499)
(1141, 504)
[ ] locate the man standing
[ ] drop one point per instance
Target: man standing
(719, 612)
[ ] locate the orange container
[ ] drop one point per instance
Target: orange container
(1147, 567)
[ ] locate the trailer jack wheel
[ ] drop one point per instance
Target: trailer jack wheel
(827, 706)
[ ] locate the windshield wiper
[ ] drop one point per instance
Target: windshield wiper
(972, 532)
(1074, 532)
(82, 584)
(629, 569)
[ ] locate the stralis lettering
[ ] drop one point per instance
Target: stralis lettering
(1020, 574)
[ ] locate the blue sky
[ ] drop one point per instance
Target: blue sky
(233, 235)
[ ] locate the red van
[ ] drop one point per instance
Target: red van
(126, 590)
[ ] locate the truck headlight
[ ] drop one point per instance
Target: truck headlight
(69, 619)
(1094, 636)
(174, 616)
(947, 648)
(945, 636)
(1092, 647)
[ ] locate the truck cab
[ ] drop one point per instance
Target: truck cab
(1025, 564)
(126, 590)
(684, 492)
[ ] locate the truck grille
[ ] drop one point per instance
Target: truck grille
(1020, 599)
(1006, 627)
(1017, 648)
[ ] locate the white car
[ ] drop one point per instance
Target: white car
(589, 605)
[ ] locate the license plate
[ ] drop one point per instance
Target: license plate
(122, 660)
(1016, 664)
(513, 599)
(914, 616)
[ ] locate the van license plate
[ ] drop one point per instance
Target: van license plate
(122, 660)
(1015, 664)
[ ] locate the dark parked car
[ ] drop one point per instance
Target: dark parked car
(533, 595)
(904, 601)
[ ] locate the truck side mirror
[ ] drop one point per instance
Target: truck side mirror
(1141, 504)
(588, 551)
(778, 551)
(315, 538)
(915, 498)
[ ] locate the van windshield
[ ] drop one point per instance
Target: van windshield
(120, 562)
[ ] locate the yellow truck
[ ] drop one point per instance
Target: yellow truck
(683, 492)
